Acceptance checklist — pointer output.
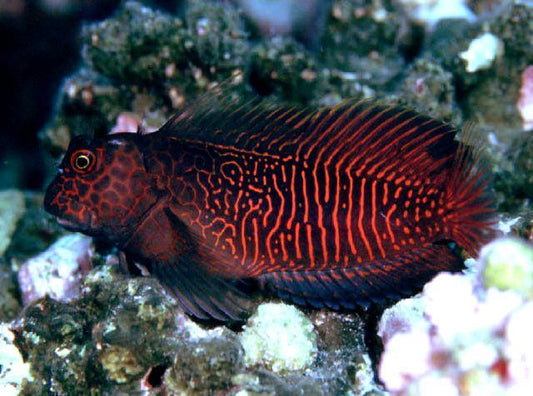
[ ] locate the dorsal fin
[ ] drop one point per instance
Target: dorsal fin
(362, 136)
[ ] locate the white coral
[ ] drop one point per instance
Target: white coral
(13, 370)
(482, 52)
(432, 11)
(280, 337)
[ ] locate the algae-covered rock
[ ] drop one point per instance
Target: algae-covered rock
(280, 337)
(264, 382)
(514, 176)
(358, 28)
(343, 361)
(285, 67)
(430, 90)
(105, 341)
(148, 63)
(448, 39)
(12, 207)
(514, 26)
(488, 82)
(362, 37)
(120, 364)
(216, 37)
(9, 297)
(205, 365)
(137, 44)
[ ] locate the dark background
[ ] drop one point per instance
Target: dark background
(39, 47)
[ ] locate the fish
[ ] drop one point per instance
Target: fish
(336, 207)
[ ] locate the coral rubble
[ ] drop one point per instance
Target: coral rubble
(467, 332)
(280, 337)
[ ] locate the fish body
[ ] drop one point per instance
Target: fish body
(333, 208)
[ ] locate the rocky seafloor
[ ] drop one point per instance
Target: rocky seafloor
(72, 323)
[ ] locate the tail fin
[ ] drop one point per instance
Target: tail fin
(469, 207)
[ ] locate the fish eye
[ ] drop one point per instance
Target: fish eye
(82, 161)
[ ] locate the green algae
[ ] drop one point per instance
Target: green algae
(508, 265)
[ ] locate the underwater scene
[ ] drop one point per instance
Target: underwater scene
(266, 197)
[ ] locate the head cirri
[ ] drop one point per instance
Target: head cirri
(102, 188)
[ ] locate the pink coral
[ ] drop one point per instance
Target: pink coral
(56, 272)
(458, 338)
(525, 102)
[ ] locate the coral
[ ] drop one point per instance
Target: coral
(14, 372)
(481, 52)
(508, 265)
(12, 207)
(473, 336)
(279, 337)
(407, 315)
(432, 11)
(525, 101)
(57, 271)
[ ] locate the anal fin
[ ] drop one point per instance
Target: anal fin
(373, 281)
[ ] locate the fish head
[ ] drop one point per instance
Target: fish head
(102, 187)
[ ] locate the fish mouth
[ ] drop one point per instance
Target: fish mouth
(69, 224)
(87, 226)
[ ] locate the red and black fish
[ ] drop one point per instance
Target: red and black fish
(328, 208)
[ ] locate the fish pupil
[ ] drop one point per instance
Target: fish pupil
(82, 161)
